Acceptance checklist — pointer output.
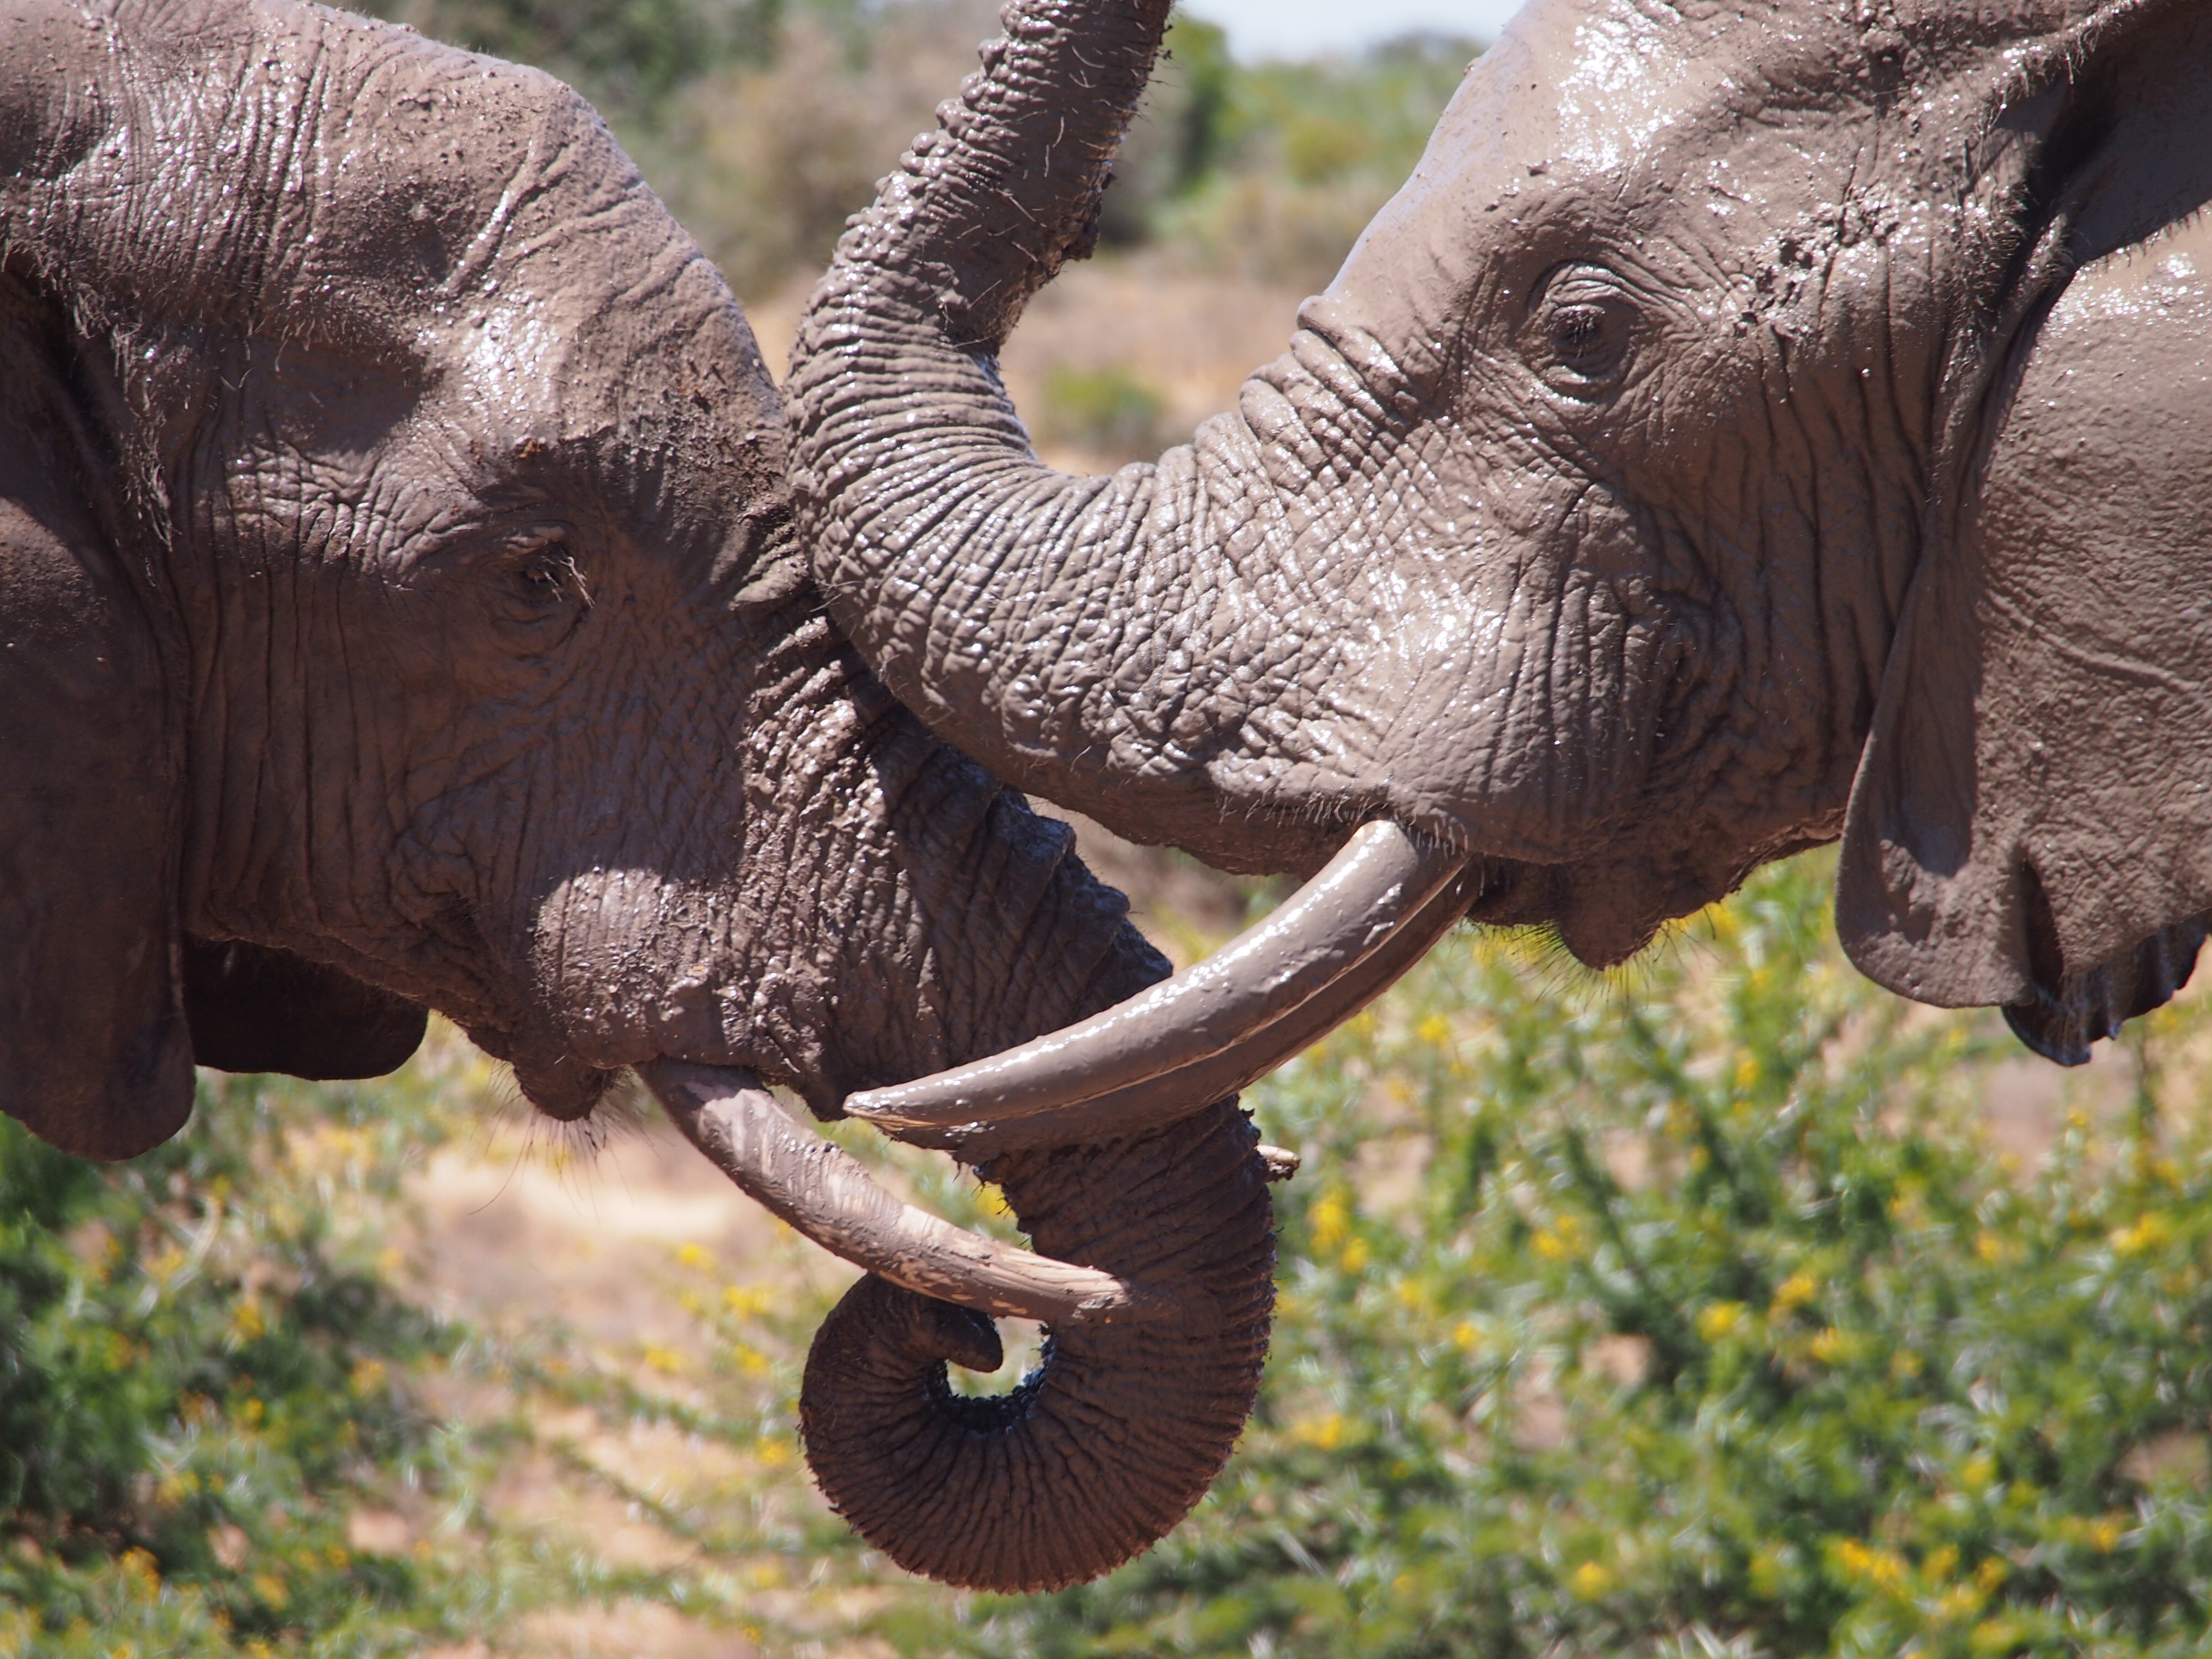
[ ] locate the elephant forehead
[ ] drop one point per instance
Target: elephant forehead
(1604, 78)
(1583, 106)
(1575, 83)
(645, 348)
(510, 353)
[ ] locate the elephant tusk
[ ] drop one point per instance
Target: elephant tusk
(1341, 941)
(1164, 1099)
(823, 1193)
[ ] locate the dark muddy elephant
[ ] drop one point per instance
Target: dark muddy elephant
(1751, 426)
(399, 610)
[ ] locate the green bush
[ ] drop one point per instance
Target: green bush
(196, 1380)
(1695, 1316)
(1107, 412)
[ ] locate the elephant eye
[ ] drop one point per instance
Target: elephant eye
(1585, 332)
(544, 590)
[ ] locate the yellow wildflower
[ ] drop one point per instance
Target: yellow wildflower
(746, 1301)
(2150, 1232)
(1331, 1222)
(1834, 1348)
(1591, 1580)
(1720, 1320)
(247, 1323)
(1794, 1292)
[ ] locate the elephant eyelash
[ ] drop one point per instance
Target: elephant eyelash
(1585, 330)
(552, 574)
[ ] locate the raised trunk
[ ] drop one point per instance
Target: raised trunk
(1119, 644)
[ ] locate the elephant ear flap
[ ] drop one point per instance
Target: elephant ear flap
(2031, 826)
(94, 1054)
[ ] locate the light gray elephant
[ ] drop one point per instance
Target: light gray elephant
(1751, 426)
(398, 609)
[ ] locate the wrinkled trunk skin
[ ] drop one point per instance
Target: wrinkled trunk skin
(1118, 1431)
(917, 915)
(1127, 667)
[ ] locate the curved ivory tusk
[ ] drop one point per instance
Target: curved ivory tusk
(1337, 945)
(1142, 1106)
(823, 1193)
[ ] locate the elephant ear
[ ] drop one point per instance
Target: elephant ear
(2031, 826)
(252, 1008)
(94, 1054)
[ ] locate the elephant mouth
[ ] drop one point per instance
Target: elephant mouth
(1164, 1054)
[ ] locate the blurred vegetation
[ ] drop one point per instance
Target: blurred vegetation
(200, 1377)
(765, 123)
(1107, 412)
(1693, 1312)
(1305, 154)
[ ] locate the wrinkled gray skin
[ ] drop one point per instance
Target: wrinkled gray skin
(398, 609)
(1751, 426)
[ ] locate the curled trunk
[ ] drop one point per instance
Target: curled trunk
(1118, 1431)
(931, 918)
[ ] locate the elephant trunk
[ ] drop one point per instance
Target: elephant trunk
(1120, 1428)
(1094, 639)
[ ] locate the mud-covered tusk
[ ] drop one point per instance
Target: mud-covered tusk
(823, 1193)
(1215, 1019)
(1123, 1112)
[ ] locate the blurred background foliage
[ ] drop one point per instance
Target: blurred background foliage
(765, 123)
(1712, 1309)
(1723, 1306)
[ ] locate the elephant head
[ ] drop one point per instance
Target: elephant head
(1749, 427)
(399, 610)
